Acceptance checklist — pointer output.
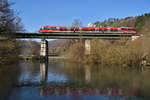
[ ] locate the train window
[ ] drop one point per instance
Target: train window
(91, 29)
(105, 29)
(96, 29)
(118, 29)
(68, 29)
(80, 29)
(76, 29)
(53, 28)
(45, 28)
(125, 29)
(84, 29)
(61, 29)
(114, 30)
(131, 29)
(58, 28)
(72, 29)
(108, 29)
(111, 29)
(65, 29)
(100, 30)
(128, 29)
(50, 28)
(42, 28)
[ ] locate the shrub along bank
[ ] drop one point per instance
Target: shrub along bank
(9, 51)
(117, 52)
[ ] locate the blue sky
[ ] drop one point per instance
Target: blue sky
(36, 13)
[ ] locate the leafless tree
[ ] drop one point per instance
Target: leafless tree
(9, 22)
(77, 23)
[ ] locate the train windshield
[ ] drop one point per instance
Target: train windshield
(42, 28)
(50, 28)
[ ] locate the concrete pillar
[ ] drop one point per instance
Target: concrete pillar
(43, 71)
(87, 47)
(44, 50)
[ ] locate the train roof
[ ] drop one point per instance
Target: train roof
(89, 27)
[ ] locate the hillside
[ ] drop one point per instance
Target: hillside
(57, 46)
(141, 23)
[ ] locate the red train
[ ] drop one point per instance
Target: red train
(53, 29)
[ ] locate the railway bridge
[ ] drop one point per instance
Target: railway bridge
(44, 51)
(86, 36)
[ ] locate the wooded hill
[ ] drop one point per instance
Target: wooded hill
(141, 23)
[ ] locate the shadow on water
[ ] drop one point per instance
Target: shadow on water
(61, 80)
(8, 77)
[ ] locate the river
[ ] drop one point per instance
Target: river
(62, 80)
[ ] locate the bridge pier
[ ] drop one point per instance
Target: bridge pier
(44, 50)
(134, 37)
(87, 47)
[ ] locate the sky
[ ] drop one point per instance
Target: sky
(37, 13)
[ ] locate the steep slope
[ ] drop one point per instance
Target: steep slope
(141, 23)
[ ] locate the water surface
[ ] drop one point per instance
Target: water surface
(61, 80)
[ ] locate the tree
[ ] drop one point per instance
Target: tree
(9, 22)
(77, 23)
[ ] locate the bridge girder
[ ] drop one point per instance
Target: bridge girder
(73, 35)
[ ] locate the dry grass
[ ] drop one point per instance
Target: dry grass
(120, 52)
(76, 52)
(8, 52)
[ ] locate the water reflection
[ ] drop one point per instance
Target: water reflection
(45, 91)
(8, 77)
(73, 81)
(43, 71)
(87, 73)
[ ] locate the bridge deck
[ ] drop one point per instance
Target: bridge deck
(73, 35)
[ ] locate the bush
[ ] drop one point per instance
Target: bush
(76, 52)
(119, 52)
(8, 51)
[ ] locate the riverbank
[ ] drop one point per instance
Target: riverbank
(113, 52)
(9, 51)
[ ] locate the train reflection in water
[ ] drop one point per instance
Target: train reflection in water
(68, 91)
(87, 91)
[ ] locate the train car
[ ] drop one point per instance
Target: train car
(128, 30)
(55, 29)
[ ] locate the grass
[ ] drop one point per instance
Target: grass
(119, 52)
